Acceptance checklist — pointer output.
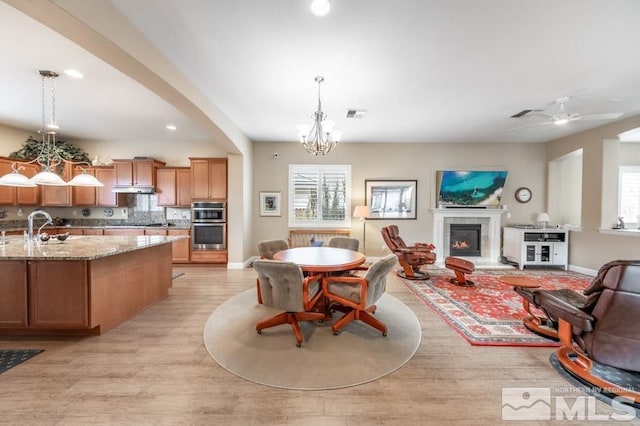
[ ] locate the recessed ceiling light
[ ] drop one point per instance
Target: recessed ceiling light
(74, 73)
(320, 7)
(171, 127)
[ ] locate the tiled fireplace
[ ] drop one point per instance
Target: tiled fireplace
(489, 221)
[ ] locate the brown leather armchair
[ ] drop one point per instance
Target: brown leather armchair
(605, 329)
(548, 325)
(411, 258)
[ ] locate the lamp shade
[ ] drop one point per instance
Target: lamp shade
(16, 179)
(361, 212)
(48, 178)
(85, 179)
(542, 217)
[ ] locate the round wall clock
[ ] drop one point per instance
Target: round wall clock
(523, 195)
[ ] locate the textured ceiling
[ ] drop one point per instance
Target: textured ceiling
(424, 70)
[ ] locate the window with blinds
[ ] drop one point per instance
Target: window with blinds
(319, 196)
(629, 197)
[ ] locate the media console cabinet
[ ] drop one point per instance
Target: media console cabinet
(528, 246)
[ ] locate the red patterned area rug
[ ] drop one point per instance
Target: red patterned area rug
(490, 313)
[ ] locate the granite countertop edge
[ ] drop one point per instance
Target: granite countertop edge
(80, 247)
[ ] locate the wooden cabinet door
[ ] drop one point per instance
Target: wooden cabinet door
(124, 173)
(155, 232)
(166, 186)
(13, 293)
(124, 231)
(7, 193)
(199, 179)
(180, 248)
(143, 172)
(183, 187)
(58, 294)
(83, 195)
(29, 196)
(209, 178)
(105, 197)
(93, 231)
(218, 179)
(57, 195)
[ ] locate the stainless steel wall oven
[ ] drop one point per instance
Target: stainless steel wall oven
(208, 212)
(208, 225)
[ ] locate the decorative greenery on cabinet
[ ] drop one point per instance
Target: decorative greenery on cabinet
(31, 148)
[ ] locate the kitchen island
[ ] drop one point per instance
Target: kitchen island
(85, 285)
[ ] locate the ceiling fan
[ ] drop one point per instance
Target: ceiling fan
(562, 117)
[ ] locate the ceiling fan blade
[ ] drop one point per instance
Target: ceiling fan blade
(529, 125)
(606, 116)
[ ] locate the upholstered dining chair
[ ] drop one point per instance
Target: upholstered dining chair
(411, 258)
(283, 286)
(345, 243)
(267, 249)
(356, 296)
(604, 329)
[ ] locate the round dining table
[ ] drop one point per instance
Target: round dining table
(321, 259)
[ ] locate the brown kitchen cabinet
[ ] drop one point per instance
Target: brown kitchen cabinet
(180, 248)
(13, 294)
(100, 196)
(208, 178)
(105, 197)
(58, 294)
(136, 172)
(14, 196)
(173, 186)
(83, 195)
(124, 231)
(209, 256)
(52, 195)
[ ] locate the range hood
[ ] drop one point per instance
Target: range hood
(134, 189)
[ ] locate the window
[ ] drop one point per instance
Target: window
(319, 196)
(629, 197)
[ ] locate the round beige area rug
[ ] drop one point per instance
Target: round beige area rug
(359, 354)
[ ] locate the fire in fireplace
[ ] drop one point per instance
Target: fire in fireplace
(465, 240)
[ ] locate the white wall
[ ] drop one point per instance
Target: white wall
(565, 189)
(526, 164)
(590, 248)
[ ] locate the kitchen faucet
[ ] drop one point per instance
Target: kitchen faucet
(30, 221)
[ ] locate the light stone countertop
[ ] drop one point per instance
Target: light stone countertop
(78, 247)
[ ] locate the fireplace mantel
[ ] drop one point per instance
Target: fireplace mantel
(493, 216)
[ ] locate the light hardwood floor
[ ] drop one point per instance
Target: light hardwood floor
(154, 370)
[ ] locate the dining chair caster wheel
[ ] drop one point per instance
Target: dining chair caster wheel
(335, 333)
(259, 331)
(299, 345)
(384, 334)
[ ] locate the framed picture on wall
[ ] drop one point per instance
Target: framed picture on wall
(270, 203)
(391, 199)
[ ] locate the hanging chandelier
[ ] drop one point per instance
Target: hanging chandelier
(321, 138)
(49, 156)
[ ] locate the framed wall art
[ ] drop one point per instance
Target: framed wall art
(391, 199)
(270, 203)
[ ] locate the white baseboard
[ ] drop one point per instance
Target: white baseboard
(581, 270)
(242, 265)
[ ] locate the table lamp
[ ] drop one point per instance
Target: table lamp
(362, 212)
(543, 218)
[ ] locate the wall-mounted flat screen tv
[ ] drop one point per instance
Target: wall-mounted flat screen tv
(476, 188)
